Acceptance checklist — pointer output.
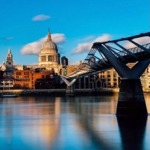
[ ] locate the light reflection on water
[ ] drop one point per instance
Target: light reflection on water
(69, 123)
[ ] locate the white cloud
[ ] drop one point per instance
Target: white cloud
(85, 47)
(34, 47)
(41, 17)
(103, 38)
(82, 48)
(142, 40)
(31, 48)
(58, 37)
(88, 38)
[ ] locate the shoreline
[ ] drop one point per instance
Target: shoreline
(62, 92)
(59, 92)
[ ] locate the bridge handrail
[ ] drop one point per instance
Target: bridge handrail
(90, 64)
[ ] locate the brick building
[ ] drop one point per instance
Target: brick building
(29, 79)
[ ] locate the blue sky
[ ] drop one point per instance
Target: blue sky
(74, 25)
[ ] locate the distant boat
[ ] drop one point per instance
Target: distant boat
(8, 95)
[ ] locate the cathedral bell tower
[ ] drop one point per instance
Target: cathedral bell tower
(9, 60)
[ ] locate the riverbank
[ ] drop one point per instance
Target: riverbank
(59, 92)
(62, 92)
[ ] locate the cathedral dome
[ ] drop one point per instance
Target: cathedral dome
(49, 46)
(49, 57)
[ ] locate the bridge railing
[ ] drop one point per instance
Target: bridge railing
(95, 59)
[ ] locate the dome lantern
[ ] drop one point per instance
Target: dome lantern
(49, 45)
(49, 37)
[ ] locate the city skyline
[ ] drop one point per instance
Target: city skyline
(74, 25)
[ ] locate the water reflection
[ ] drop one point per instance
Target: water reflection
(26, 122)
(109, 131)
(97, 119)
(69, 123)
(132, 132)
(94, 104)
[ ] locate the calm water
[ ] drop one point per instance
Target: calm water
(70, 123)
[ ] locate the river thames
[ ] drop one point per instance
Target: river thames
(70, 123)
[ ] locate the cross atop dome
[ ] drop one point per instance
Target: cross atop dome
(9, 51)
(49, 36)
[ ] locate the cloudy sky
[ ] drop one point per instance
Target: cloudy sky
(74, 24)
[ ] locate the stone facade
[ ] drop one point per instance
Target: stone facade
(49, 57)
(145, 80)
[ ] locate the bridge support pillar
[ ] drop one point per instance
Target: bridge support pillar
(131, 100)
(70, 90)
(70, 85)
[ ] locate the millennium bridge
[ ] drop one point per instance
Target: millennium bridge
(114, 54)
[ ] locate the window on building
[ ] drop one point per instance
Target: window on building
(26, 77)
(115, 83)
(108, 72)
(43, 58)
(17, 77)
(50, 58)
(115, 74)
(26, 74)
(26, 85)
(18, 73)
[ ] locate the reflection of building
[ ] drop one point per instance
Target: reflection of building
(39, 133)
(49, 57)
